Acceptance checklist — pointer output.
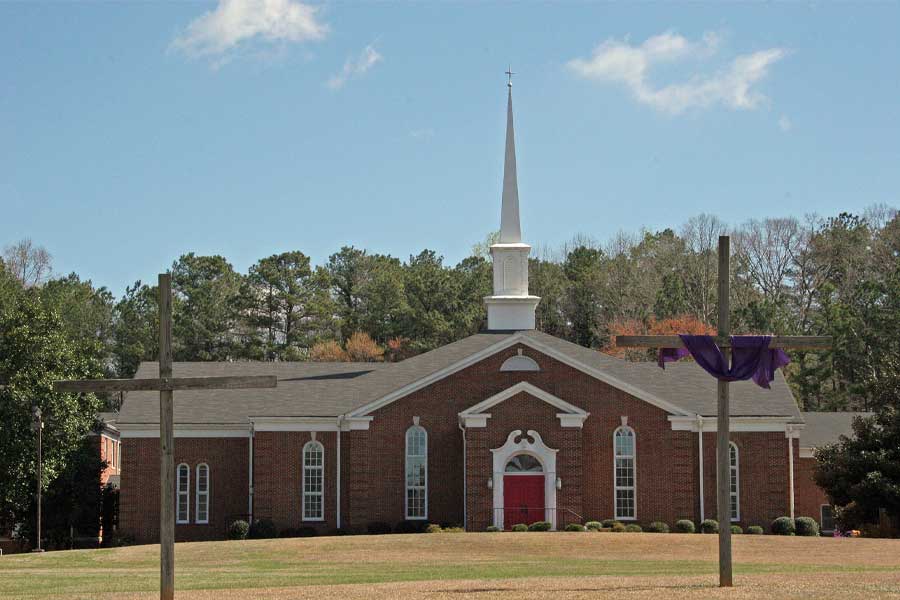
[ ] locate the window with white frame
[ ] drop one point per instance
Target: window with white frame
(624, 451)
(201, 511)
(313, 482)
(416, 473)
(734, 489)
(183, 503)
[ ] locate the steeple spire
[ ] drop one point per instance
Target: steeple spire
(510, 231)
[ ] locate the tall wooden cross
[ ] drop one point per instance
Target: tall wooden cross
(723, 475)
(166, 384)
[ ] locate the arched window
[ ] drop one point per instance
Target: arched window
(183, 503)
(201, 511)
(313, 482)
(416, 473)
(735, 487)
(624, 472)
(524, 463)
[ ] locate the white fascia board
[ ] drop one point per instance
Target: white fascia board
(356, 423)
(528, 388)
(188, 431)
(517, 338)
(737, 424)
(294, 423)
(474, 420)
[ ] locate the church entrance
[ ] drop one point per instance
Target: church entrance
(523, 491)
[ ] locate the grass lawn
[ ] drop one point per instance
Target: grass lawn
(474, 565)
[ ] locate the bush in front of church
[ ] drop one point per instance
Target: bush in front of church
(608, 523)
(709, 526)
(493, 529)
(783, 526)
(618, 527)
(540, 526)
(575, 527)
(378, 528)
(411, 527)
(736, 529)
(593, 525)
(238, 530)
(806, 526)
(684, 526)
(658, 527)
(263, 529)
(633, 528)
(520, 527)
(755, 530)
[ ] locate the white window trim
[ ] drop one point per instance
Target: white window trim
(183, 492)
(617, 487)
(406, 486)
(735, 472)
(198, 494)
(304, 494)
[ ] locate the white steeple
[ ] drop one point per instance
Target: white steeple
(511, 307)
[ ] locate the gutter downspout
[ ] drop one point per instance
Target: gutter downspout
(789, 431)
(700, 443)
(340, 423)
(465, 497)
(251, 439)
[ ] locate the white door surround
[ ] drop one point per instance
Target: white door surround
(533, 445)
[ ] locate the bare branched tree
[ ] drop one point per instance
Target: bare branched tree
(28, 263)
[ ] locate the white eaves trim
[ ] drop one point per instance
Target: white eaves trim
(807, 452)
(191, 431)
(310, 423)
(517, 338)
(475, 416)
(738, 424)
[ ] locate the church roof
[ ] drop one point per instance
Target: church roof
(310, 389)
(824, 428)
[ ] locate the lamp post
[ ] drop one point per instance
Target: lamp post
(39, 427)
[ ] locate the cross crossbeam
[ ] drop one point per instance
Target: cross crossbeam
(166, 385)
(723, 340)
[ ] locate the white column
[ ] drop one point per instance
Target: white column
(700, 444)
(790, 439)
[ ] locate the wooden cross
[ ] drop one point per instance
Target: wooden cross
(166, 384)
(723, 475)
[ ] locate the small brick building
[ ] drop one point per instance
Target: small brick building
(506, 426)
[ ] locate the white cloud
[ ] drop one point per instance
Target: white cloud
(235, 21)
(367, 59)
(784, 123)
(620, 62)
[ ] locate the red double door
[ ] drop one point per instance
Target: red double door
(523, 499)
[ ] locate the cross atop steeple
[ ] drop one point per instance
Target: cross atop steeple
(509, 74)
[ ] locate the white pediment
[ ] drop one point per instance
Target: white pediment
(570, 415)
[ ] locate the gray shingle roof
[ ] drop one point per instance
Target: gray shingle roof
(826, 427)
(331, 389)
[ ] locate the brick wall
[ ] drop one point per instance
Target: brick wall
(809, 497)
(139, 499)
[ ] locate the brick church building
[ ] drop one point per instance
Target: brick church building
(507, 426)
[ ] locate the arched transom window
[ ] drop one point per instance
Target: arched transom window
(624, 472)
(416, 473)
(201, 511)
(313, 482)
(735, 487)
(182, 495)
(524, 463)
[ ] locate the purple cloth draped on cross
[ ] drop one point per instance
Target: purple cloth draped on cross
(751, 357)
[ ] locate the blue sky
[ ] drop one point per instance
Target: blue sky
(133, 132)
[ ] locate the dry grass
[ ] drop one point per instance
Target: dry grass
(520, 566)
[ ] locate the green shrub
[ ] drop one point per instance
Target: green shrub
(736, 529)
(755, 530)
(806, 526)
(411, 526)
(117, 540)
(608, 523)
(540, 526)
(593, 525)
(378, 528)
(238, 530)
(433, 528)
(783, 526)
(617, 527)
(684, 526)
(709, 526)
(633, 528)
(493, 528)
(262, 529)
(453, 529)
(575, 527)
(520, 527)
(658, 527)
